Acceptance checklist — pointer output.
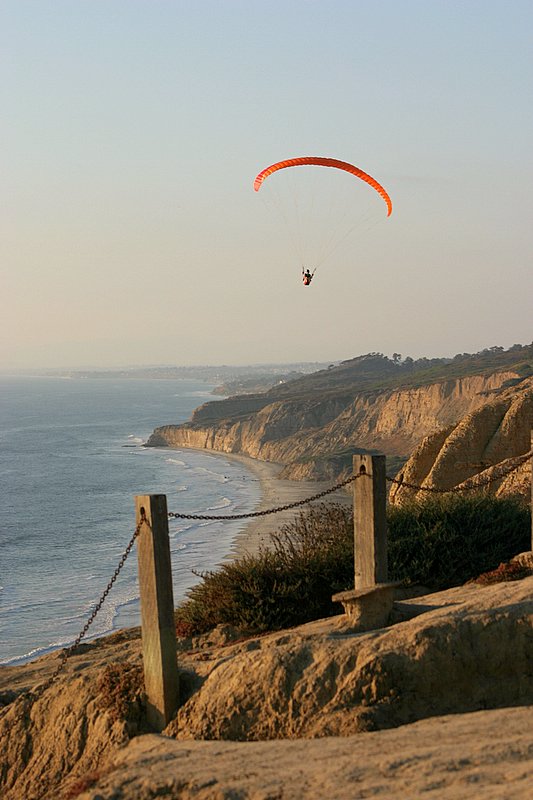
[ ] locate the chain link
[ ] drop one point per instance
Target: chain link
(266, 512)
(351, 479)
(472, 487)
(33, 696)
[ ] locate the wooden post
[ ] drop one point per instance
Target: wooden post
(157, 610)
(369, 605)
(370, 522)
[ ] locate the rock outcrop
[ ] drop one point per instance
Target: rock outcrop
(460, 757)
(322, 680)
(480, 447)
(68, 731)
(465, 650)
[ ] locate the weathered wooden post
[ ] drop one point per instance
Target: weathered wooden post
(157, 610)
(370, 520)
(369, 604)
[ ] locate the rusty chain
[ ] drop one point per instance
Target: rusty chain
(267, 511)
(460, 488)
(351, 479)
(33, 696)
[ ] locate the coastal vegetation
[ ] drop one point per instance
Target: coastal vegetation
(439, 543)
(374, 372)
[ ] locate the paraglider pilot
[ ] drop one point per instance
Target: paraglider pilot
(307, 277)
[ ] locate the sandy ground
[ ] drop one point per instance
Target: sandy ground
(276, 491)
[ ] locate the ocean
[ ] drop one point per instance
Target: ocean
(71, 461)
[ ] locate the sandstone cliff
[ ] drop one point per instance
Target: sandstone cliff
(483, 444)
(314, 434)
(464, 650)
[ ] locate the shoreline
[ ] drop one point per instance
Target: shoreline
(275, 491)
(254, 534)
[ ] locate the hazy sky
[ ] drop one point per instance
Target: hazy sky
(132, 130)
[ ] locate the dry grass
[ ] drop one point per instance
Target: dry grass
(121, 694)
(512, 571)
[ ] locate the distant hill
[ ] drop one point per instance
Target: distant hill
(374, 371)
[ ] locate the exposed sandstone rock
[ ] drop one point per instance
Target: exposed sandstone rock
(466, 649)
(305, 433)
(318, 680)
(483, 445)
(461, 757)
(66, 732)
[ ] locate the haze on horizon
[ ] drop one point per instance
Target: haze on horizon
(131, 135)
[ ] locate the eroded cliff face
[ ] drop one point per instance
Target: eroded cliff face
(309, 434)
(482, 445)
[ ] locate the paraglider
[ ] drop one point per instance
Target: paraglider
(325, 162)
(298, 207)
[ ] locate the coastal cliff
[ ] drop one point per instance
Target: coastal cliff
(314, 433)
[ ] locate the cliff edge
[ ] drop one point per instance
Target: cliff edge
(382, 699)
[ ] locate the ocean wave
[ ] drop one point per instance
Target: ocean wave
(31, 655)
(212, 474)
(181, 528)
(175, 461)
(37, 652)
(223, 503)
(28, 607)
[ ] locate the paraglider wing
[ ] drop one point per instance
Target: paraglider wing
(325, 162)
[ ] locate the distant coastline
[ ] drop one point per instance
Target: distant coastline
(208, 373)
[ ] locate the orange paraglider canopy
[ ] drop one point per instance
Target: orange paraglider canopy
(325, 162)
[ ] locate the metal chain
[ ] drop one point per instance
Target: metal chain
(397, 481)
(267, 511)
(480, 484)
(33, 696)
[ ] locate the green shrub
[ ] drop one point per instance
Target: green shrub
(439, 543)
(287, 584)
(448, 539)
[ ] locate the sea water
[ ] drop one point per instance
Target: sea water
(71, 460)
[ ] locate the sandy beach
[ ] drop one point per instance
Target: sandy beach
(275, 491)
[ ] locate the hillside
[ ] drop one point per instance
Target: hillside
(314, 424)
